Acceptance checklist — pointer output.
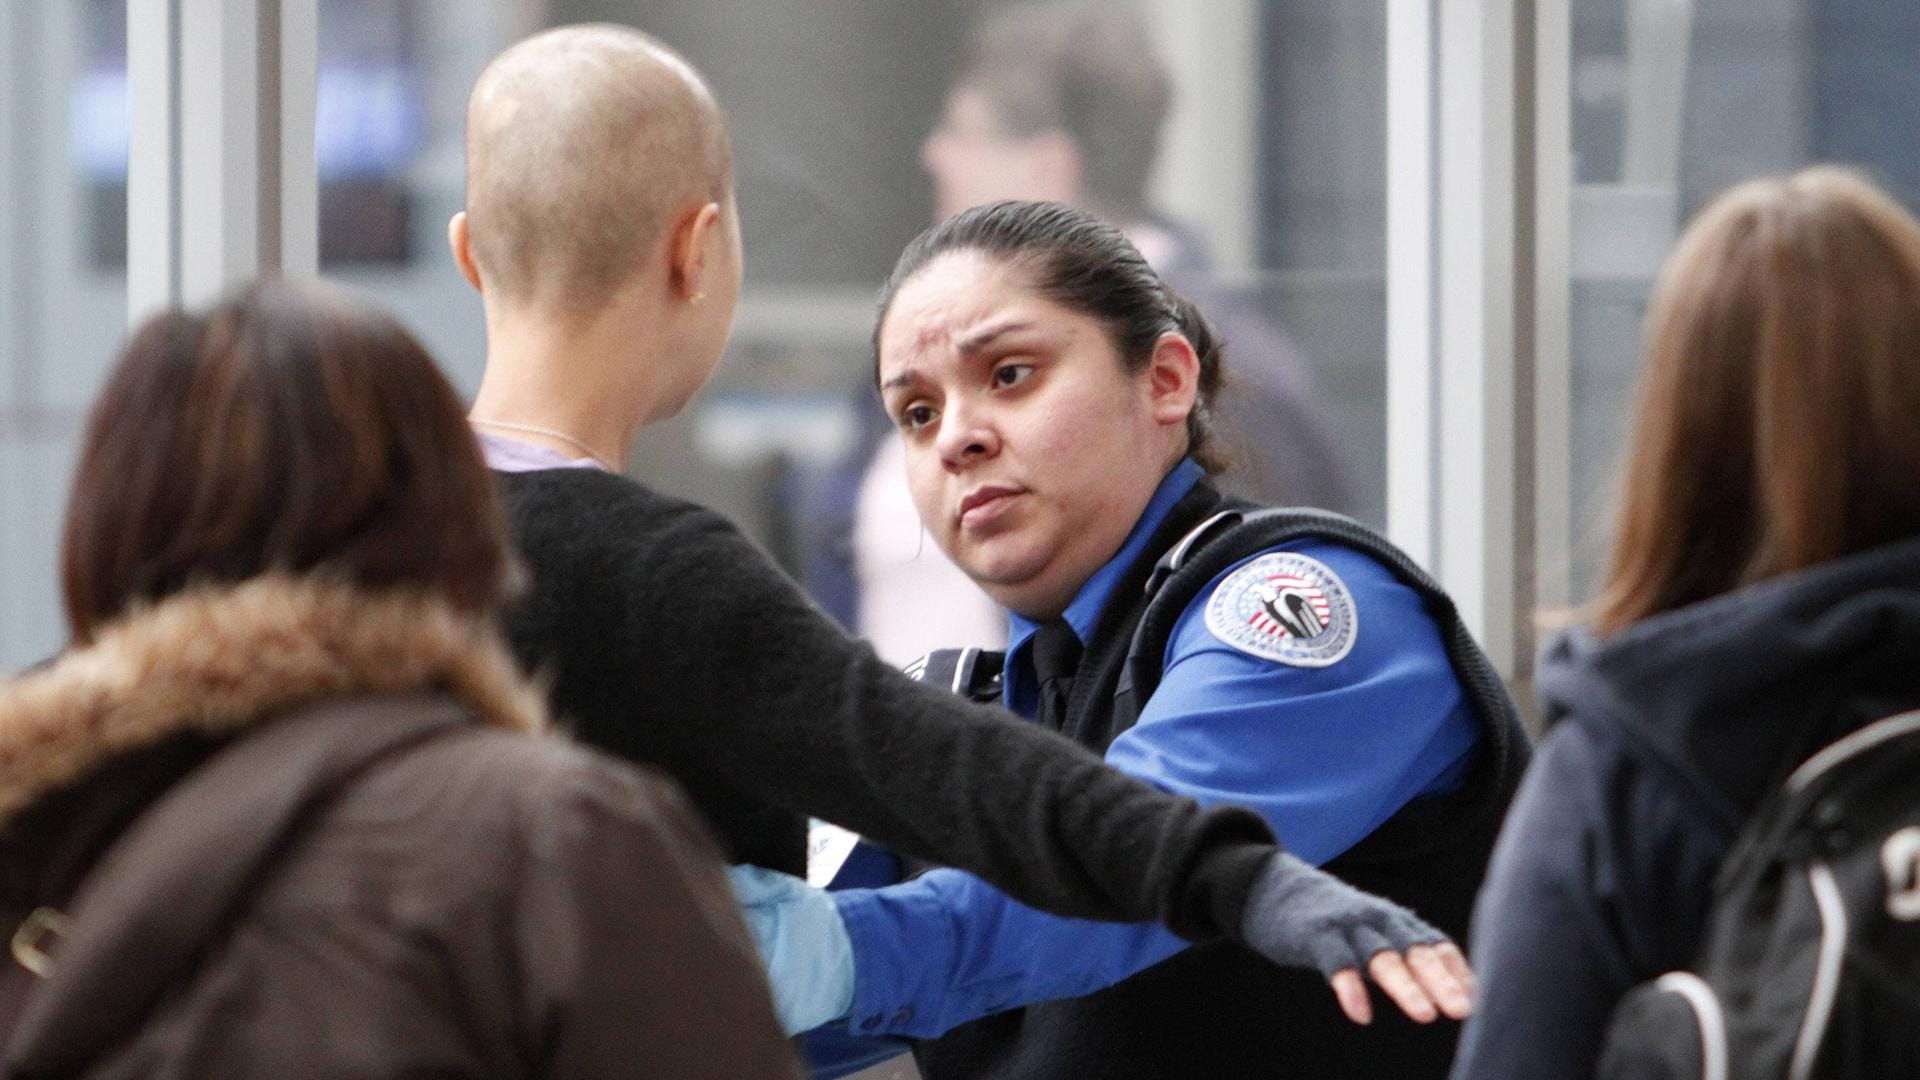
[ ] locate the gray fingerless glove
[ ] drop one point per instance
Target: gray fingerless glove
(1299, 916)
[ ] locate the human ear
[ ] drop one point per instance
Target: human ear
(462, 246)
(688, 264)
(1172, 379)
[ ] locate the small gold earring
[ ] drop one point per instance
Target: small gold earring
(696, 297)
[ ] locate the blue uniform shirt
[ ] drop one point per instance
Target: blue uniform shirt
(1325, 754)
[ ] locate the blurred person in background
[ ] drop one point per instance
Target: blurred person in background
(1066, 100)
(279, 810)
(1763, 601)
(601, 232)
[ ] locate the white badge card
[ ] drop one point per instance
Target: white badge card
(828, 847)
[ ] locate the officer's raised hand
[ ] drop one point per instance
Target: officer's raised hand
(1300, 916)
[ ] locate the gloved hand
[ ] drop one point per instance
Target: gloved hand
(1299, 916)
(802, 941)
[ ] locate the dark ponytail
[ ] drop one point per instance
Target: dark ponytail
(1085, 265)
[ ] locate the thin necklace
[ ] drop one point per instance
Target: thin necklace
(562, 436)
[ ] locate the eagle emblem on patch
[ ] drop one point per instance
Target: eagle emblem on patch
(1286, 607)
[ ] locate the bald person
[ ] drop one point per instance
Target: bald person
(601, 233)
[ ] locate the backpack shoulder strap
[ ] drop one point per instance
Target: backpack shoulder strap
(1809, 793)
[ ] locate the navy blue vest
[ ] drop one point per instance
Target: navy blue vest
(1217, 1011)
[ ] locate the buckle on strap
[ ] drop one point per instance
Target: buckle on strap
(1176, 556)
(30, 940)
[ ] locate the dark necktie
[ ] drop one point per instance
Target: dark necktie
(1056, 655)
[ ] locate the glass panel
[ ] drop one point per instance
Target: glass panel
(1322, 178)
(63, 288)
(389, 112)
(1674, 102)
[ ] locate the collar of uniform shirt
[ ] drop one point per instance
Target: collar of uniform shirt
(1020, 693)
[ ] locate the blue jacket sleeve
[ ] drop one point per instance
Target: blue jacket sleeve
(1599, 882)
(1325, 754)
(947, 948)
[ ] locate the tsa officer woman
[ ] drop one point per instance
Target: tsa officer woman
(1053, 396)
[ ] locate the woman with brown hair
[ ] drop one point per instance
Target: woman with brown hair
(276, 812)
(1763, 601)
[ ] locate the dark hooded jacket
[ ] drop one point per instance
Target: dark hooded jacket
(1664, 738)
(292, 829)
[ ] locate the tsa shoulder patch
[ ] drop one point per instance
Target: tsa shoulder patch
(1286, 607)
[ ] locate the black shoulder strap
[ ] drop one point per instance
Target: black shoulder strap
(974, 674)
(1891, 744)
(1240, 532)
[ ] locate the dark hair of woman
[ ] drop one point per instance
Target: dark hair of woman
(1088, 266)
(288, 429)
(1779, 411)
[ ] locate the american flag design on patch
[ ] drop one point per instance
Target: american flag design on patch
(1286, 607)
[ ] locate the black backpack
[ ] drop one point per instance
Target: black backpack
(1811, 967)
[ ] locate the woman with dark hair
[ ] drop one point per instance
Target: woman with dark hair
(277, 811)
(1763, 601)
(1055, 401)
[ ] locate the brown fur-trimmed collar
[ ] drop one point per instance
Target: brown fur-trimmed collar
(214, 660)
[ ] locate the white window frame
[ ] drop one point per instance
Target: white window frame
(221, 181)
(1477, 357)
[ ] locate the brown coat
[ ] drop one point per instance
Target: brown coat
(353, 878)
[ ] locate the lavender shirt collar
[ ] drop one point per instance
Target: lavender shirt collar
(506, 454)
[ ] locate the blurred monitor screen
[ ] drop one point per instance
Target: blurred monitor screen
(370, 125)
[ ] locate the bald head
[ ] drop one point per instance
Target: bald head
(582, 142)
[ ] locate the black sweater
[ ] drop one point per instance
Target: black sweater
(671, 639)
